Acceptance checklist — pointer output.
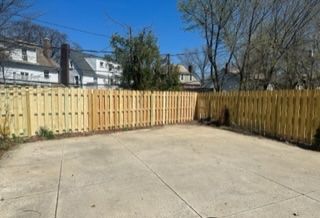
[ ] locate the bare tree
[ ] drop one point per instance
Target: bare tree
(266, 40)
(210, 17)
(249, 17)
(286, 28)
(27, 31)
(8, 9)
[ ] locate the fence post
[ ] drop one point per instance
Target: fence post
(121, 109)
(90, 112)
(28, 104)
(153, 109)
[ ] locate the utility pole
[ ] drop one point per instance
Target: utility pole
(130, 44)
(168, 64)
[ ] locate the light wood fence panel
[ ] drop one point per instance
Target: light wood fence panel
(289, 115)
(60, 110)
(114, 109)
(70, 110)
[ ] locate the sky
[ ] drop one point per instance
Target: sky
(161, 15)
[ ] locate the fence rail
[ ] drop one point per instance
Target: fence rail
(290, 115)
(65, 110)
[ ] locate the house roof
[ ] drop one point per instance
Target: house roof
(45, 61)
(182, 69)
(83, 67)
(79, 61)
(42, 60)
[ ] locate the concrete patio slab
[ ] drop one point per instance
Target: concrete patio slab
(174, 171)
(42, 205)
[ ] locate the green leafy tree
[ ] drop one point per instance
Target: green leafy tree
(142, 63)
(167, 79)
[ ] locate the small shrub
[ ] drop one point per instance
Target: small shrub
(17, 140)
(4, 144)
(45, 133)
(316, 139)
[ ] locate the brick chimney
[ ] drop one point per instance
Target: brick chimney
(64, 64)
(47, 52)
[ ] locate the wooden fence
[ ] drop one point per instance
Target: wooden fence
(131, 109)
(65, 110)
(289, 115)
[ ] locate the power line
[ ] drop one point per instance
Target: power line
(20, 43)
(92, 51)
(123, 25)
(65, 27)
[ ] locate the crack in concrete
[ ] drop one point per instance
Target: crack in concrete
(159, 177)
(259, 207)
(284, 186)
(300, 194)
(59, 183)
(28, 195)
(32, 211)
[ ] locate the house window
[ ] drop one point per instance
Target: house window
(24, 54)
(46, 74)
(190, 77)
(24, 75)
(181, 77)
(14, 75)
(101, 64)
(111, 67)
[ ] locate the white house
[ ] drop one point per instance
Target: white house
(90, 70)
(187, 79)
(26, 63)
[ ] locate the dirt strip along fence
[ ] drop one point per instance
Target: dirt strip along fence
(71, 110)
(289, 115)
